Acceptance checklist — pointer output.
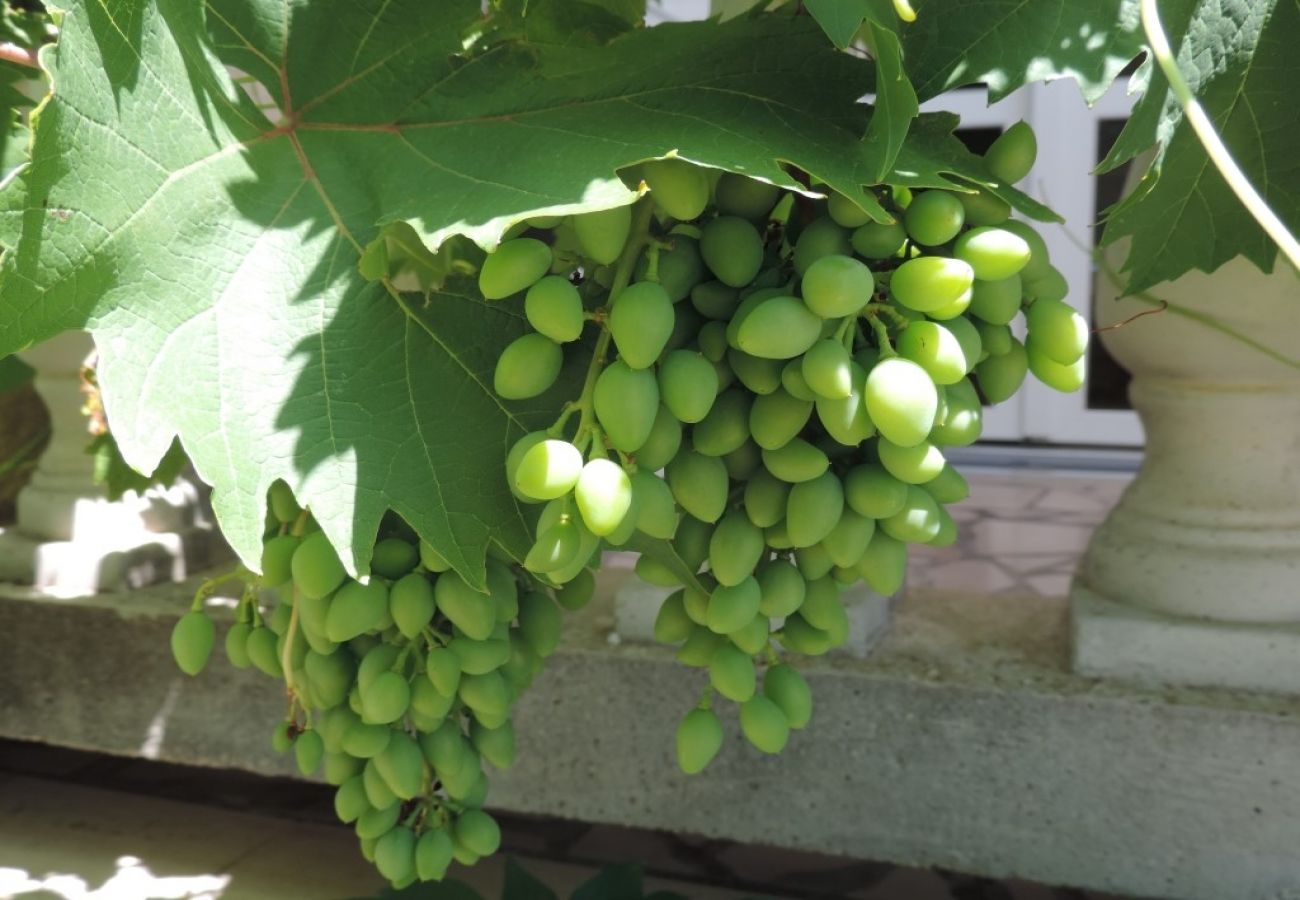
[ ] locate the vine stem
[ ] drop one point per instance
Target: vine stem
(622, 275)
(1210, 140)
(286, 656)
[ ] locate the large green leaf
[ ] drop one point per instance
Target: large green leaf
(214, 254)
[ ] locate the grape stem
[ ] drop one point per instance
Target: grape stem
(286, 656)
(882, 335)
(208, 587)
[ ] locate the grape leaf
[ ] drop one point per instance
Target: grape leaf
(1240, 60)
(214, 252)
(1008, 43)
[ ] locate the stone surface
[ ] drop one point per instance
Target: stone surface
(963, 743)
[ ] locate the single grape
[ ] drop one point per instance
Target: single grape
(1049, 285)
(1012, 155)
(283, 505)
(963, 417)
(433, 853)
(735, 549)
(626, 401)
(796, 461)
(737, 195)
(237, 645)
(849, 538)
(664, 441)
(996, 302)
(641, 321)
(765, 499)
(948, 486)
(677, 187)
(884, 564)
(984, 208)
(726, 427)
(917, 522)
(1056, 331)
(410, 603)
(826, 369)
(822, 608)
(732, 607)
(549, 469)
(902, 401)
(263, 652)
(877, 240)
(872, 492)
(680, 268)
(554, 307)
(602, 234)
(836, 286)
(916, 464)
(528, 366)
(316, 567)
(395, 854)
(672, 623)
(688, 385)
(814, 509)
(1040, 261)
(993, 253)
(845, 212)
(192, 640)
(776, 418)
(821, 238)
(934, 217)
(732, 249)
(469, 610)
(700, 484)
(731, 672)
(1001, 376)
(604, 495)
(779, 328)
(764, 725)
(935, 348)
(656, 510)
(512, 267)
(761, 376)
(401, 765)
(496, 745)
(930, 283)
(785, 687)
(715, 300)
(350, 800)
(699, 738)
(1064, 377)
(555, 548)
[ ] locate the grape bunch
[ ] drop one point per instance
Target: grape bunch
(772, 386)
(400, 688)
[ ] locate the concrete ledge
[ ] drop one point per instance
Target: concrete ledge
(963, 742)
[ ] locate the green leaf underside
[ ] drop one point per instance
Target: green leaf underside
(214, 255)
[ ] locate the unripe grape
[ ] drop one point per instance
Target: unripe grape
(996, 302)
(366, 741)
(602, 234)
(487, 694)
(846, 420)
(554, 307)
(876, 240)
(513, 266)
(192, 640)
(316, 567)
(641, 321)
(872, 492)
(699, 738)
(496, 745)
(374, 823)
(731, 607)
(735, 548)
(952, 310)
(1040, 261)
(902, 401)
(1058, 376)
(726, 427)
(761, 376)
(993, 253)
(263, 653)
(798, 636)
(237, 645)
(821, 607)
(680, 268)
(350, 800)
(731, 672)
(776, 418)
(478, 657)
(914, 465)
(968, 336)
(813, 509)
(385, 699)
(549, 469)
(826, 368)
(785, 687)
(738, 195)
(795, 462)
(688, 385)
(1001, 376)
(732, 249)
(470, 611)
(528, 366)
(1012, 155)
(1056, 331)
(917, 522)
(401, 764)
(555, 548)
(849, 538)
(963, 416)
(935, 348)
(656, 510)
(753, 639)
(792, 378)
(934, 217)
(433, 853)
(277, 555)
(410, 602)
(1049, 285)
(836, 286)
(700, 484)
(779, 328)
(884, 564)
(626, 401)
(395, 854)
(781, 589)
(577, 592)
(845, 212)
(765, 499)
(677, 187)
(948, 486)
(663, 443)
(930, 283)
(604, 495)
(764, 725)
(715, 300)
(984, 208)
(672, 623)
(821, 238)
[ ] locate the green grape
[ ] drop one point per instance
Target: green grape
(822, 608)
(726, 427)
(677, 187)
(735, 549)
(316, 567)
(884, 564)
(901, 400)
(312, 616)
(478, 657)
(672, 623)
(813, 562)
(378, 659)
(845, 212)
(963, 417)
(737, 195)
(914, 465)
(1012, 155)
(732, 249)
(699, 738)
(712, 341)
(365, 741)
(429, 708)
(695, 603)
(731, 672)
(1040, 261)
(849, 538)
(779, 328)
(356, 609)
(555, 548)
(1061, 377)
(1050, 285)
(410, 603)
(993, 253)
(237, 645)
(395, 854)
(792, 378)
(554, 308)
(401, 765)
(539, 623)
(777, 538)
(931, 283)
(968, 336)
(749, 302)
(781, 588)
(513, 266)
(282, 737)
(847, 420)
(872, 492)
(995, 339)
(604, 495)
(487, 693)
(192, 640)
(917, 522)
(626, 401)
(877, 240)
(754, 637)
(732, 607)
(692, 540)
(330, 675)
(680, 268)
(663, 443)
(339, 767)
(547, 470)
(836, 286)
(654, 572)
(443, 669)
(602, 234)
(764, 725)
(656, 509)
(1056, 331)
(350, 800)
(577, 592)
(952, 310)
(744, 461)
(814, 509)
(513, 459)
(262, 652)
(935, 348)
(277, 556)
(641, 321)
(283, 505)
(394, 557)
(934, 217)
(468, 610)
(786, 688)
(761, 376)
(1001, 376)
(776, 418)
(433, 853)
(821, 238)
(688, 385)
(386, 699)
(948, 486)
(279, 620)
(715, 300)
(795, 462)
(765, 499)
(373, 823)
(496, 745)
(447, 750)
(984, 208)
(827, 370)
(528, 366)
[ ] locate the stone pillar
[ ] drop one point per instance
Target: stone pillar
(68, 538)
(1194, 578)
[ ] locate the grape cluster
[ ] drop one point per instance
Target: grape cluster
(400, 688)
(772, 387)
